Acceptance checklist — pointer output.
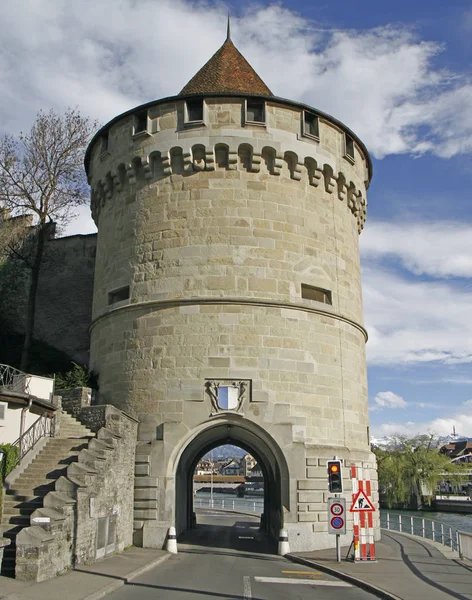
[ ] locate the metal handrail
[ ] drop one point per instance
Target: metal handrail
(418, 526)
(43, 427)
(13, 380)
(256, 506)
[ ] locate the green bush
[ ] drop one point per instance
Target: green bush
(78, 376)
(10, 458)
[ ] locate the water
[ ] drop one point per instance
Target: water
(229, 501)
(460, 522)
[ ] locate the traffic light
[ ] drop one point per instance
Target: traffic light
(335, 477)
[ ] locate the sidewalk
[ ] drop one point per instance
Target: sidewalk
(408, 568)
(87, 582)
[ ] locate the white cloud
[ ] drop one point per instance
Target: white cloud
(109, 56)
(468, 403)
(390, 400)
(441, 426)
(82, 223)
(411, 321)
(436, 249)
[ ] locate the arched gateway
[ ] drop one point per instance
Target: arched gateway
(227, 297)
(229, 430)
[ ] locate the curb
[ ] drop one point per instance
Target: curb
(360, 583)
(127, 579)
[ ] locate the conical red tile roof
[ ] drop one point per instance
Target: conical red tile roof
(227, 71)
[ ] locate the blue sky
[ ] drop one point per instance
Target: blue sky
(397, 73)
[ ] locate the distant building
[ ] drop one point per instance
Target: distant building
(205, 467)
(256, 471)
(460, 451)
(232, 468)
(247, 463)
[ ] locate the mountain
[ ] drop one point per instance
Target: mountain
(226, 451)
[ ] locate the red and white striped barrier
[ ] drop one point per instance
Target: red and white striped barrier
(364, 545)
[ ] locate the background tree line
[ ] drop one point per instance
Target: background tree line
(410, 470)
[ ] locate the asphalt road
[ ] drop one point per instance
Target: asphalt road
(227, 558)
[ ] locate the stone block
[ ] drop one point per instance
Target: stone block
(146, 482)
(144, 469)
(146, 493)
(144, 505)
(314, 484)
(310, 497)
(148, 515)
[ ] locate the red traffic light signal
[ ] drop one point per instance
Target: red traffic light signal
(335, 479)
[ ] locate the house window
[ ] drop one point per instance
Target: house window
(255, 111)
(118, 295)
(104, 143)
(141, 122)
(194, 111)
(311, 125)
(3, 410)
(349, 143)
(310, 292)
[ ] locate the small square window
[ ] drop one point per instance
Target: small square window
(104, 142)
(349, 147)
(141, 122)
(255, 111)
(194, 111)
(311, 126)
(310, 292)
(118, 295)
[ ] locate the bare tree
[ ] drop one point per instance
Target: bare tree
(41, 175)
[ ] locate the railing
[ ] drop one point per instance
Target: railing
(425, 528)
(241, 504)
(13, 380)
(43, 427)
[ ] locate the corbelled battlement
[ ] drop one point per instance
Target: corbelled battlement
(186, 159)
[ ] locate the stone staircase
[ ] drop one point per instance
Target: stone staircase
(38, 479)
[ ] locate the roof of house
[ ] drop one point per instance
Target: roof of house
(227, 71)
(457, 448)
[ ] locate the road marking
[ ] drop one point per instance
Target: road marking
(301, 581)
(301, 573)
(247, 588)
(245, 537)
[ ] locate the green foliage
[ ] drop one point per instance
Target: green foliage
(410, 470)
(78, 376)
(10, 458)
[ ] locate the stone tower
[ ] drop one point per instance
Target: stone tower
(227, 300)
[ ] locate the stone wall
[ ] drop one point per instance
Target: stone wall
(94, 499)
(64, 299)
(207, 239)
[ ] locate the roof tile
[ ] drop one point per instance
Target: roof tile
(227, 71)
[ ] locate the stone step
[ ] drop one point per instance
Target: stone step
(13, 510)
(12, 502)
(36, 491)
(73, 430)
(23, 520)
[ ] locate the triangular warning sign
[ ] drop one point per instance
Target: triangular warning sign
(361, 503)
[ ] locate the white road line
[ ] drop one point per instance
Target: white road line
(301, 581)
(247, 588)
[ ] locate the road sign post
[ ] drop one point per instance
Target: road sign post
(337, 521)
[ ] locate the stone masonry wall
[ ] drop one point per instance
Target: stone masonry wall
(211, 234)
(64, 299)
(94, 498)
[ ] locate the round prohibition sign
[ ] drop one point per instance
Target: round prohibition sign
(337, 522)
(337, 509)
